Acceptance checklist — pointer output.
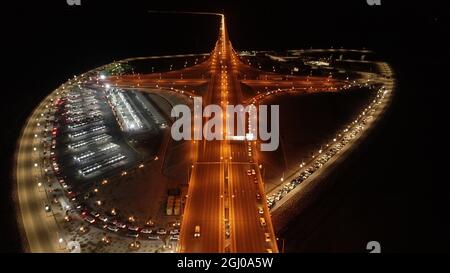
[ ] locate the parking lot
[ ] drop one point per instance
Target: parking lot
(85, 139)
(90, 129)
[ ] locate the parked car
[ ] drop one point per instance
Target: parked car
(113, 228)
(146, 231)
(153, 237)
(161, 231)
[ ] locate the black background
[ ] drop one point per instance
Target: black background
(397, 189)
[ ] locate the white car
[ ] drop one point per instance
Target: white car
(89, 219)
(120, 225)
(147, 231)
(175, 237)
(95, 214)
(133, 228)
(161, 231)
(174, 232)
(113, 228)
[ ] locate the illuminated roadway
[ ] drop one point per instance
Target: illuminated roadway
(222, 198)
(40, 227)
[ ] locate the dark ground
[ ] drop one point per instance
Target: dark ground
(308, 121)
(396, 190)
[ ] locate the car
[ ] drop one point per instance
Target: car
(255, 180)
(262, 221)
(89, 219)
(253, 171)
(267, 236)
(103, 218)
(258, 196)
(47, 208)
(146, 231)
(153, 237)
(278, 197)
(95, 214)
(174, 237)
(132, 234)
(249, 172)
(197, 231)
(174, 231)
(112, 221)
(133, 228)
(227, 233)
(113, 228)
(260, 210)
(161, 231)
(120, 225)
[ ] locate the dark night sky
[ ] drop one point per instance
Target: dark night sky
(45, 42)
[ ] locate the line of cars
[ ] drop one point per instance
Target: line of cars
(58, 190)
(315, 165)
(112, 224)
(262, 221)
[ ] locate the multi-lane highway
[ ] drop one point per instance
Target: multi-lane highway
(225, 209)
(222, 198)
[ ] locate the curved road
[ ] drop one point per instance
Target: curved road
(40, 227)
